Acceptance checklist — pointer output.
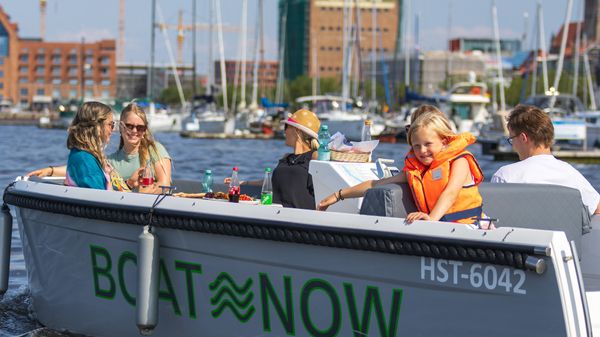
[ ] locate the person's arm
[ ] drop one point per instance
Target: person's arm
(358, 191)
(50, 171)
(459, 171)
(244, 182)
(597, 211)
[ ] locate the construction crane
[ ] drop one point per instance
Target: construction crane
(43, 4)
(181, 29)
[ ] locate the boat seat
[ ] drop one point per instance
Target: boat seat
(536, 206)
(193, 186)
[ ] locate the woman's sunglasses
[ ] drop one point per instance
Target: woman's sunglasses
(131, 127)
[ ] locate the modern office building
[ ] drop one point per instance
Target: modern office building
(35, 70)
(314, 29)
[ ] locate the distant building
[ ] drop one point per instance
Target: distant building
(591, 20)
(267, 73)
(35, 70)
(556, 41)
(484, 45)
(314, 33)
(436, 65)
(132, 79)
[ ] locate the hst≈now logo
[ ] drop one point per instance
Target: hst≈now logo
(228, 295)
(263, 301)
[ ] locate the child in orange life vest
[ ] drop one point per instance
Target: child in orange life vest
(442, 175)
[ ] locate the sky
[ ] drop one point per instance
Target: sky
(70, 20)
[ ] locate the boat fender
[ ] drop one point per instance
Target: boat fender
(147, 297)
(5, 241)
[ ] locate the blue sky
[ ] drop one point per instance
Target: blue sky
(69, 20)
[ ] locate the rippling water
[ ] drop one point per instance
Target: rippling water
(25, 148)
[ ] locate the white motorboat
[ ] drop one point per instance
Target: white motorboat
(160, 120)
(346, 120)
(466, 106)
(178, 266)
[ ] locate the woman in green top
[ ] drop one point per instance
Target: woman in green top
(136, 148)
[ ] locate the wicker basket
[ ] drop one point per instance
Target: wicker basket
(352, 157)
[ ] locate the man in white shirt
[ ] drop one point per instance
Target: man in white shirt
(531, 134)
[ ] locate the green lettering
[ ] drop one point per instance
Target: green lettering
(373, 301)
(105, 271)
(126, 256)
(189, 268)
(267, 294)
(168, 294)
(336, 316)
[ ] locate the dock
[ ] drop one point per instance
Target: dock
(573, 156)
(209, 135)
(24, 118)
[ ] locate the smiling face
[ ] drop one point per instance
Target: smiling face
(426, 143)
(132, 128)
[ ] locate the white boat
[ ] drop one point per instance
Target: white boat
(348, 121)
(466, 106)
(160, 120)
(185, 267)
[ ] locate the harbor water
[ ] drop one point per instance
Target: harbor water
(25, 148)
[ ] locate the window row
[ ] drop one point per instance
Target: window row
(56, 93)
(362, 29)
(24, 80)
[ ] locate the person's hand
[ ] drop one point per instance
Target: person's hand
(227, 180)
(44, 172)
(417, 216)
(135, 180)
(328, 201)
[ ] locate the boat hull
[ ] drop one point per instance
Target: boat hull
(245, 270)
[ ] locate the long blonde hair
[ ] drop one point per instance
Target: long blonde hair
(87, 129)
(147, 148)
(312, 143)
(434, 119)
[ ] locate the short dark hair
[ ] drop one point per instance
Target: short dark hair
(533, 122)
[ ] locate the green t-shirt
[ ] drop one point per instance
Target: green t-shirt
(126, 164)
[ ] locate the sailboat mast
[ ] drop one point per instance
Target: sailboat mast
(194, 79)
(498, 57)
(588, 75)
(242, 104)
(563, 45)
(222, 56)
(150, 77)
(406, 45)
(373, 51)
(542, 40)
(259, 18)
(577, 52)
(211, 72)
(536, 47)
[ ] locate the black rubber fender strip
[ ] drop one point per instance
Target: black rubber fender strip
(465, 251)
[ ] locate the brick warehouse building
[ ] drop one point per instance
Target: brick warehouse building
(33, 69)
(320, 24)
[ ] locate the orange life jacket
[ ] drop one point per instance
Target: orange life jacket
(428, 182)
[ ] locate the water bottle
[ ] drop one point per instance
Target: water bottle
(323, 151)
(234, 186)
(147, 175)
(366, 131)
(266, 196)
(207, 182)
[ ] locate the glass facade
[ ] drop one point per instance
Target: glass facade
(4, 41)
(295, 33)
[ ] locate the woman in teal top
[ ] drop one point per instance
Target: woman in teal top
(136, 147)
(88, 134)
